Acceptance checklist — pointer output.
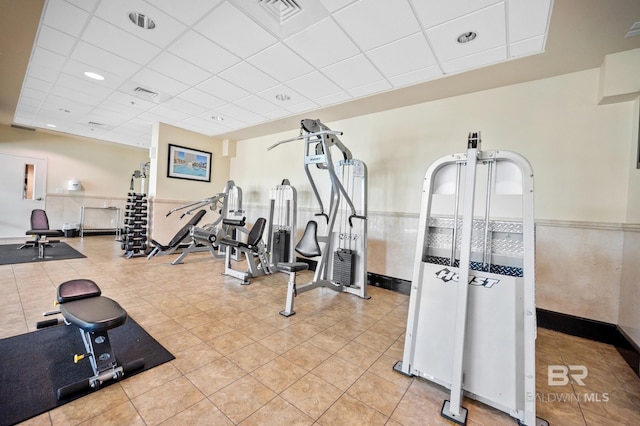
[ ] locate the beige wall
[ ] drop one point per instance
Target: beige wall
(167, 193)
(104, 169)
(579, 152)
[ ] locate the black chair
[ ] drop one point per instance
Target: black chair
(41, 231)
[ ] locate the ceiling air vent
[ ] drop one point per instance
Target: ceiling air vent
(141, 91)
(282, 10)
(96, 124)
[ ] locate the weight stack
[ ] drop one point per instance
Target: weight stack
(134, 236)
(344, 267)
(281, 241)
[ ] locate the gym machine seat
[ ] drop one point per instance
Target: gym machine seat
(254, 247)
(40, 229)
(180, 236)
(82, 305)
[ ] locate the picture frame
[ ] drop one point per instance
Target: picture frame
(189, 163)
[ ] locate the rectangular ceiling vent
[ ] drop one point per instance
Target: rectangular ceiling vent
(281, 10)
(96, 124)
(145, 92)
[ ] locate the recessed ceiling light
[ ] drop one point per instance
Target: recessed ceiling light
(283, 97)
(53, 126)
(94, 75)
(467, 37)
(217, 118)
(143, 21)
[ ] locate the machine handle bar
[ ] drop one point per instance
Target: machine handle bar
(355, 216)
(308, 135)
(323, 214)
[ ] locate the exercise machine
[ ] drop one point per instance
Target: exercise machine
(342, 247)
(178, 240)
(281, 235)
(254, 248)
(82, 305)
(471, 324)
(228, 205)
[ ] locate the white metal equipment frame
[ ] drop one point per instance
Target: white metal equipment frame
(478, 339)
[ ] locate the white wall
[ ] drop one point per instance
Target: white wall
(579, 152)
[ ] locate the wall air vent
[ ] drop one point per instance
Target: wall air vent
(141, 91)
(282, 10)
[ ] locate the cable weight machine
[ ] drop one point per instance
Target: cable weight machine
(342, 248)
(471, 324)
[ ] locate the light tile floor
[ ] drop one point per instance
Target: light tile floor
(239, 362)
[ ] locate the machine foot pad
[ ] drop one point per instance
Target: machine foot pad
(460, 419)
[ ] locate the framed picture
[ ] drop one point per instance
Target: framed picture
(187, 163)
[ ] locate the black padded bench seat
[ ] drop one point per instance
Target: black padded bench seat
(77, 289)
(94, 314)
(292, 266)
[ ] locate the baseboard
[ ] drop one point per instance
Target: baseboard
(568, 324)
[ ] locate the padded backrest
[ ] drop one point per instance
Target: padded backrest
(39, 221)
(255, 235)
(308, 245)
(184, 231)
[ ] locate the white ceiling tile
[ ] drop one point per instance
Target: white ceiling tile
(104, 61)
(34, 91)
(185, 106)
(222, 89)
(202, 52)
(178, 69)
(65, 17)
(159, 83)
(392, 59)
(122, 43)
(77, 69)
(248, 77)
(487, 57)
(201, 125)
(294, 97)
(231, 111)
(280, 62)
(302, 107)
(314, 85)
(234, 31)
(333, 99)
(85, 85)
(186, 11)
(436, 12)
(200, 98)
(526, 47)
(163, 114)
(42, 72)
(257, 105)
(117, 12)
(352, 72)
(75, 96)
(128, 100)
(322, 44)
(48, 58)
(87, 5)
(372, 23)
(279, 113)
(370, 88)
(417, 76)
(54, 40)
(110, 117)
(488, 23)
(528, 19)
(333, 5)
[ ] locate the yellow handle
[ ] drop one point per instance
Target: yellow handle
(77, 358)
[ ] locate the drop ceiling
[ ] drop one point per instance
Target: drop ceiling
(219, 66)
(243, 68)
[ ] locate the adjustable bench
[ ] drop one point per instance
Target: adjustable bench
(82, 305)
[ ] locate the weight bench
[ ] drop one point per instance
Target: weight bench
(82, 305)
(178, 239)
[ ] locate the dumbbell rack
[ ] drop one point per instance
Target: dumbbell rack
(134, 236)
